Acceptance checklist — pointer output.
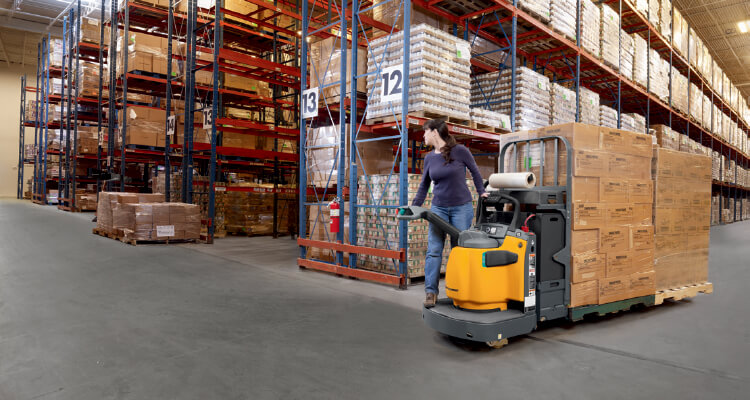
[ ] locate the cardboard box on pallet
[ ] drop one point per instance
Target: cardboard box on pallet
(682, 193)
(612, 194)
(108, 201)
(157, 221)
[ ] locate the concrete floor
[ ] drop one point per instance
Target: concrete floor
(84, 317)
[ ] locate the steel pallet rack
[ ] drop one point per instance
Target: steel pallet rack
(21, 139)
(42, 123)
(251, 46)
(539, 46)
(351, 30)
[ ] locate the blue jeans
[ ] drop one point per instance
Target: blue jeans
(459, 216)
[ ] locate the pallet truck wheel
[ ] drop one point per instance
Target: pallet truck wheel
(497, 344)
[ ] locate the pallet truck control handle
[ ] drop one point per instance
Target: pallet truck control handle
(413, 213)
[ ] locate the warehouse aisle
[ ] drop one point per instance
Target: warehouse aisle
(84, 317)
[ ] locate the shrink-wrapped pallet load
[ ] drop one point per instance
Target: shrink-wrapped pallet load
(589, 107)
(493, 90)
(610, 37)
(439, 69)
(590, 27)
(563, 17)
(607, 116)
(563, 105)
(640, 60)
(679, 91)
(538, 8)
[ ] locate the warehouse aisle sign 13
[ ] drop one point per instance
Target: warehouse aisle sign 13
(310, 103)
(208, 116)
(392, 83)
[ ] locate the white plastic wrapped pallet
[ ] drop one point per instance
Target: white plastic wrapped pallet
(538, 8)
(532, 98)
(563, 105)
(562, 15)
(626, 55)
(679, 91)
(639, 122)
(640, 60)
(706, 120)
(696, 102)
(665, 18)
(653, 13)
(589, 107)
(610, 37)
(607, 116)
(590, 27)
(439, 70)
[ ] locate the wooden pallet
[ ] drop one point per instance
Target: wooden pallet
(684, 292)
(578, 313)
(487, 128)
(420, 114)
(106, 234)
(135, 242)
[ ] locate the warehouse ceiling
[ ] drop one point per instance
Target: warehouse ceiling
(715, 22)
(23, 22)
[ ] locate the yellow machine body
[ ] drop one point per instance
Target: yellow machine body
(473, 286)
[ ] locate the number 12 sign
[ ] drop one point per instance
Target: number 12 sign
(310, 103)
(392, 85)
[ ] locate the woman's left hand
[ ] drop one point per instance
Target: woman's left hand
(485, 195)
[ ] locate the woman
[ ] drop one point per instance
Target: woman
(445, 168)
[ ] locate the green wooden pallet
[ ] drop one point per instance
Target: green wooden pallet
(577, 313)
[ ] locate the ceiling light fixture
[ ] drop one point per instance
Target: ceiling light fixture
(743, 26)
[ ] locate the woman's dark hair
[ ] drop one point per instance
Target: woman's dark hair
(450, 141)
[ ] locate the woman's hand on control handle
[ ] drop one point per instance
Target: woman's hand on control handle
(485, 195)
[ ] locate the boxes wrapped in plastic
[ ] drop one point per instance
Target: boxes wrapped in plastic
(706, 112)
(439, 71)
(653, 13)
(610, 37)
(490, 118)
(633, 122)
(680, 28)
(696, 102)
(665, 18)
(640, 60)
(679, 91)
(627, 50)
(538, 8)
(659, 76)
(590, 27)
(562, 105)
(589, 107)
(562, 15)
(493, 91)
(607, 117)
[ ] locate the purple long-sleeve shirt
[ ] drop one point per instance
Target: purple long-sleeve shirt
(449, 180)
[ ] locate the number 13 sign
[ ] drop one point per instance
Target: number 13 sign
(310, 103)
(392, 84)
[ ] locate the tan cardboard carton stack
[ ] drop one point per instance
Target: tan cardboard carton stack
(682, 197)
(612, 194)
(666, 137)
(590, 26)
(157, 221)
(108, 201)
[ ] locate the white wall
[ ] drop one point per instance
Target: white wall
(10, 97)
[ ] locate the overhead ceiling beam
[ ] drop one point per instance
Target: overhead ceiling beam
(2, 48)
(16, 6)
(63, 12)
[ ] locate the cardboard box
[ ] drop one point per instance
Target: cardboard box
(587, 267)
(618, 213)
(642, 237)
(614, 190)
(642, 214)
(580, 136)
(585, 189)
(642, 284)
(640, 191)
(584, 293)
(619, 264)
(584, 241)
(590, 163)
(642, 260)
(614, 289)
(588, 215)
(614, 238)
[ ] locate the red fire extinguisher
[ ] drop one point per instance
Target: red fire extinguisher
(335, 212)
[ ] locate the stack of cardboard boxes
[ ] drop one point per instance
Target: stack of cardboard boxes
(612, 191)
(590, 26)
(682, 190)
(157, 221)
(108, 201)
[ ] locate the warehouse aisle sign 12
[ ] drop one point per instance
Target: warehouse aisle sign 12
(392, 84)
(310, 103)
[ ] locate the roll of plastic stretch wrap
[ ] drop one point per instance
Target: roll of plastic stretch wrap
(522, 180)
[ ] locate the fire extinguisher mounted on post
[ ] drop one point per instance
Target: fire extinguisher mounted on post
(335, 212)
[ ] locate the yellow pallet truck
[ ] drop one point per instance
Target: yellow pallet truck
(503, 276)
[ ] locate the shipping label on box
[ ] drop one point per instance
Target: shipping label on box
(642, 237)
(585, 189)
(614, 238)
(584, 293)
(613, 190)
(584, 241)
(588, 215)
(586, 267)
